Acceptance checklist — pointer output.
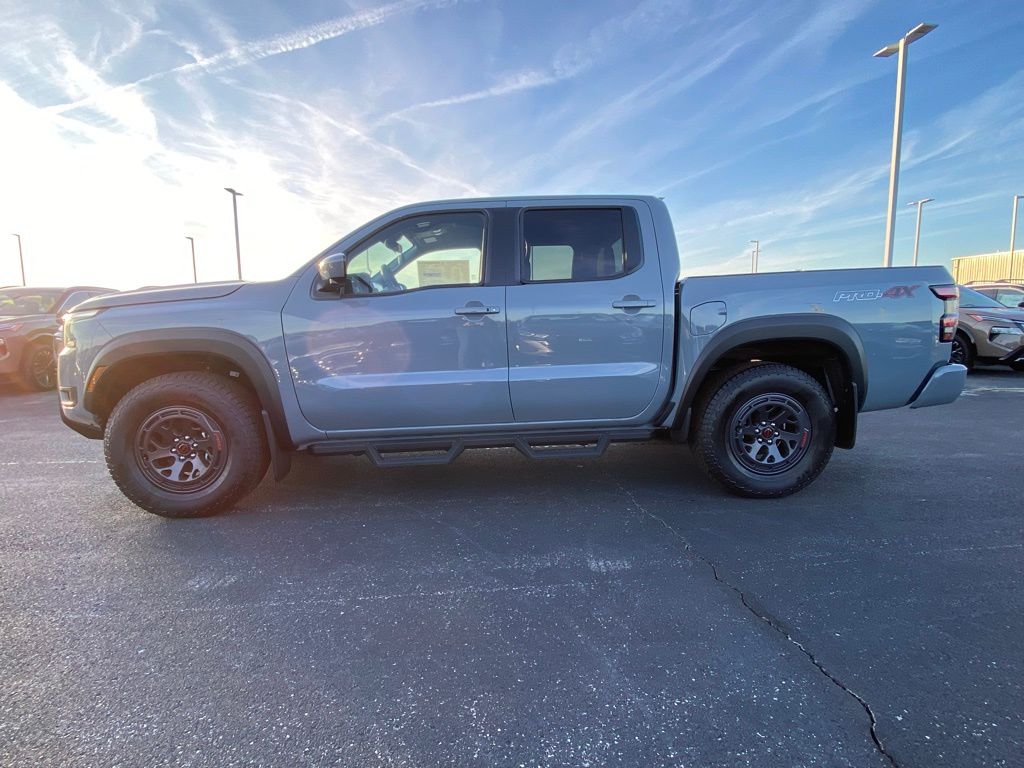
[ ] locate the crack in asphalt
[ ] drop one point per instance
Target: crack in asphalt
(771, 622)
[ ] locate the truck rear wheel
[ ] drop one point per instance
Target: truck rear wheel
(186, 444)
(766, 431)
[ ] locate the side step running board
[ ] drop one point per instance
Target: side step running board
(582, 450)
(405, 452)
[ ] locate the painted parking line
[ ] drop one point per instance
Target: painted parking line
(49, 461)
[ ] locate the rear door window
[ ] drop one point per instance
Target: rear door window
(579, 244)
(1011, 297)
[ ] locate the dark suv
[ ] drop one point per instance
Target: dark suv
(28, 320)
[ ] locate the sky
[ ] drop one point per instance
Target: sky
(122, 122)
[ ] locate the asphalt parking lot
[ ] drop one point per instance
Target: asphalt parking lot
(501, 612)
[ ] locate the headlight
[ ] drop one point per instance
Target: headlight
(69, 322)
(72, 315)
(11, 327)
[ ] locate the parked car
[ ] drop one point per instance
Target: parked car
(1006, 293)
(988, 332)
(28, 318)
(552, 325)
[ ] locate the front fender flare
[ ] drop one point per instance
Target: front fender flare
(231, 346)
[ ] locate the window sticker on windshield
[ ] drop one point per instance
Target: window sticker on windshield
(437, 272)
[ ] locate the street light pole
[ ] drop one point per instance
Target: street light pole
(21, 255)
(917, 232)
(897, 127)
(192, 240)
(754, 254)
(238, 248)
(1013, 233)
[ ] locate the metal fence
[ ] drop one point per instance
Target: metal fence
(989, 266)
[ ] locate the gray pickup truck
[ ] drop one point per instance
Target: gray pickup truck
(553, 325)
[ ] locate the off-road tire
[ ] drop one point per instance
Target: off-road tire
(715, 414)
(234, 410)
(28, 375)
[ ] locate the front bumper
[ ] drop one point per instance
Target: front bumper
(943, 386)
(84, 423)
(1017, 356)
(10, 354)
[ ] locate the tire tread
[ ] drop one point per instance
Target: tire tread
(249, 439)
(713, 406)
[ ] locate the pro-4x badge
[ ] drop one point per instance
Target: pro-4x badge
(895, 292)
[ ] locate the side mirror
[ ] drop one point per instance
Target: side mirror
(332, 271)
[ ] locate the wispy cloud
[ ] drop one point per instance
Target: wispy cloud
(513, 83)
(306, 37)
(255, 50)
(765, 121)
(366, 140)
(670, 83)
(648, 18)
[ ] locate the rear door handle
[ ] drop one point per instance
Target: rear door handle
(476, 308)
(628, 302)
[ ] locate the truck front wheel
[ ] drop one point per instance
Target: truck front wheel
(186, 444)
(766, 431)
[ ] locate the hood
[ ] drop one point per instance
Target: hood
(158, 295)
(25, 319)
(1007, 313)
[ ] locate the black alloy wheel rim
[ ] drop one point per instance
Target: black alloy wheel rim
(770, 434)
(958, 354)
(44, 368)
(181, 449)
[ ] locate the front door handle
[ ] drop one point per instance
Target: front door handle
(476, 308)
(633, 302)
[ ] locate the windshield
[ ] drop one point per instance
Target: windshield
(969, 298)
(28, 301)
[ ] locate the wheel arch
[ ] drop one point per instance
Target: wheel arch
(136, 357)
(826, 347)
(40, 336)
(962, 331)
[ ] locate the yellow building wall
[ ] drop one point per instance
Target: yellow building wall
(989, 266)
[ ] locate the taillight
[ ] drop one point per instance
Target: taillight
(950, 295)
(947, 327)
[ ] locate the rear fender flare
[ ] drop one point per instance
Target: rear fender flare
(801, 327)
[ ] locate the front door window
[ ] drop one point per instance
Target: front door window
(442, 249)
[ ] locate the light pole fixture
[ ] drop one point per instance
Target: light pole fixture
(1013, 233)
(754, 254)
(899, 47)
(917, 232)
(192, 240)
(238, 248)
(21, 256)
